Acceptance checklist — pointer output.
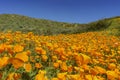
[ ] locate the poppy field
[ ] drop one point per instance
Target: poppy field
(85, 56)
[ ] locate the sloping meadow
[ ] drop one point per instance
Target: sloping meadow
(86, 56)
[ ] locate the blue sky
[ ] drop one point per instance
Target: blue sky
(75, 11)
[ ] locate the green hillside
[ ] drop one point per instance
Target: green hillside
(39, 26)
(114, 27)
(22, 23)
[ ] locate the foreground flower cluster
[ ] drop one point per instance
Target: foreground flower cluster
(86, 56)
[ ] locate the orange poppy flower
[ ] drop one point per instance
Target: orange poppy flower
(18, 48)
(54, 58)
(111, 75)
(17, 76)
(93, 71)
(88, 77)
(59, 61)
(23, 56)
(17, 63)
(10, 76)
(41, 76)
(39, 50)
(70, 69)
(28, 67)
(38, 65)
(28, 52)
(63, 67)
(3, 61)
(111, 66)
(86, 67)
(86, 59)
(44, 57)
(56, 64)
(100, 70)
(2, 47)
(62, 76)
(73, 77)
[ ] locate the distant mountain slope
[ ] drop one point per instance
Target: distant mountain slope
(22, 23)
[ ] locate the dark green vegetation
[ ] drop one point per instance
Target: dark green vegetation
(15, 22)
